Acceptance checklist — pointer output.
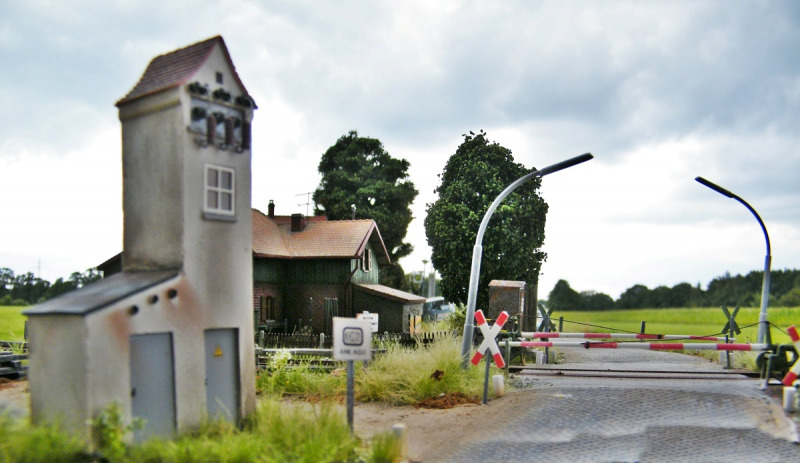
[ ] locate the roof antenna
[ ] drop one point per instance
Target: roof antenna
(308, 201)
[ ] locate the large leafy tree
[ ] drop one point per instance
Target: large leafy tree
(472, 178)
(563, 297)
(358, 171)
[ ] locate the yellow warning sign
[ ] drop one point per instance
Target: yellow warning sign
(218, 352)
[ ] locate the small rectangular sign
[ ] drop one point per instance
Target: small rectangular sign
(352, 339)
(372, 317)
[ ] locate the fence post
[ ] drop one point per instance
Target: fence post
(508, 353)
(642, 330)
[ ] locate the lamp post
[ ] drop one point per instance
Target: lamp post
(424, 269)
(477, 250)
(762, 318)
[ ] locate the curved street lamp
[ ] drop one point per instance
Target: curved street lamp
(762, 318)
(477, 250)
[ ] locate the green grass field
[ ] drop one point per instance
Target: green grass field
(12, 323)
(695, 321)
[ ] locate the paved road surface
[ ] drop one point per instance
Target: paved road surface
(695, 413)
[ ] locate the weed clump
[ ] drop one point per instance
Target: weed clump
(20, 442)
(298, 379)
(277, 432)
(409, 375)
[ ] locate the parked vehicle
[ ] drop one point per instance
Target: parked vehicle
(436, 308)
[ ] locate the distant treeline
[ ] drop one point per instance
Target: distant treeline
(744, 291)
(725, 290)
(27, 289)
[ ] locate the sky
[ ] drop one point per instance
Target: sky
(658, 92)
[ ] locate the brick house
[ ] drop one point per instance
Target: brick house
(309, 269)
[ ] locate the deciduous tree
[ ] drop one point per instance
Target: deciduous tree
(472, 178)
(563, 297)
(358, 171)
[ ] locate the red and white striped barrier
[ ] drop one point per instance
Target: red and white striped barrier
(790, 377)
(545, 335)
(645, 345)
(489, 335)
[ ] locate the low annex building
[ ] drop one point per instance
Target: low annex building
(169, 337)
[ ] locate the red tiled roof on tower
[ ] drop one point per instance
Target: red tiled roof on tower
(176, 68)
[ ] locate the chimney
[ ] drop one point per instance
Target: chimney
(298, 222)
(271, 209)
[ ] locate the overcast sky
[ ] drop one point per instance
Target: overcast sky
(659, 92)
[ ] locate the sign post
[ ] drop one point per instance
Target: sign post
(489, 342)
(352, 340)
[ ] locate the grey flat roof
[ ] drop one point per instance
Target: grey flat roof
(386, 292)
(100, 294)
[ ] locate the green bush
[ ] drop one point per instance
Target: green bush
(791, 299)
(402, 375)
(406, 375)
(298, 380)
(277, 432)
(110, 429)
(455, 322)
(25, 444)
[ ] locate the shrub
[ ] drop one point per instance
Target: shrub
(299, 379)
(22, 443)
(409, 375)
(791, 299)
(110, 429)
(276, 432)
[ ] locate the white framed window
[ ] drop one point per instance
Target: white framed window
(366, 261)
(219, 190)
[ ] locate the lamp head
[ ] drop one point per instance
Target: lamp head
(715, 187)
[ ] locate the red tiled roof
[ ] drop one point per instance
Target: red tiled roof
(272, 237)
(176, 68)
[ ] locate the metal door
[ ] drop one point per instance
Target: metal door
(222, 373)
(153, 384)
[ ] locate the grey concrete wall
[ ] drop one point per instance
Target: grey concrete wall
(218, 255)
(153, 187)
(58, 372)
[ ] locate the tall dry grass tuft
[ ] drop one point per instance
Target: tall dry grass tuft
(408, 375)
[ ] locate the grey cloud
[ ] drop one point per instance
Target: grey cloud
(700, 69)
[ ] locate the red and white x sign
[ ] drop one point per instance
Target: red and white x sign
(488, 338)
(791, 376)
